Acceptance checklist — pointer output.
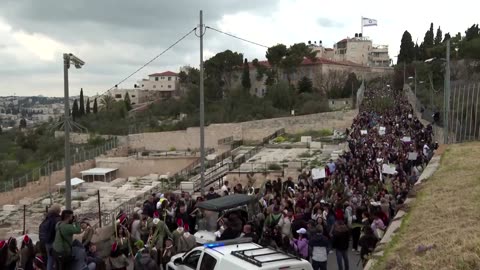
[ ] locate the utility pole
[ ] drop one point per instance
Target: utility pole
(202, 112)
(68, 59)
(446, 95)
(66, 125)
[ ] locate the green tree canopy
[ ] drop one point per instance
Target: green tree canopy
(438, 36)
(75, 110)
(81, 109)
(23, 123)
(128, 102)
(107, 102)
(472, 32)
(407, 49)
(95, 106)
(281, 95)
(305, 85)
(87, 106)
(219, 68)
(246, 76)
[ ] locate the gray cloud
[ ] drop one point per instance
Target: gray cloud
(329, 23)
(115, 37)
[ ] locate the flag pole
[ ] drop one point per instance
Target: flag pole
(361, 23)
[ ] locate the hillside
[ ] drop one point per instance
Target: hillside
(441, 230)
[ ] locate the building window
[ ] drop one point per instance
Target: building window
(154, 86)
(133, 95)
(161, 86)
(169, 86)
(161, 78)
(156, 78)
(333, 102)
(169, 78)
(142, 85)
(118, 96)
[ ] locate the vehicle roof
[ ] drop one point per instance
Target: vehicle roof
(226, 202)
(229, 261)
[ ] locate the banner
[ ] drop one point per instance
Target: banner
(412, 155)
(382, 131)
(389, 169)
(318, 174)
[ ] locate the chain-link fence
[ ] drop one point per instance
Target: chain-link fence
(51, 166)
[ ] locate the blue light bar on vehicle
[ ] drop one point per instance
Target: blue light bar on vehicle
(214, 245)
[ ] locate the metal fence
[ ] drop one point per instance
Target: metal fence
(464, 116)
(56, 165)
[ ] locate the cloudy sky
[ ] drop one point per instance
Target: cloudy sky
(115, 37)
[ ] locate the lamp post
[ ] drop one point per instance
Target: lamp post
(68, 59)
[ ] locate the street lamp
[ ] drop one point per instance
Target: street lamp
(68, 59)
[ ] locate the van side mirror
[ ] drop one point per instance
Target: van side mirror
(178, 261)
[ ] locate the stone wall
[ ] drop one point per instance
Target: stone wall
(248, 131)
(139, 167)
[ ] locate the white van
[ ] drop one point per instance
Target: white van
(235, 254)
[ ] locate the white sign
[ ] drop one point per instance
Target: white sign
(382, 131)
(412, 155)
(318, 173)
(363, 132)
(389, 169)
(410, 116)
(406, 139)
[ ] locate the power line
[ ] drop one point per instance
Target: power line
(153, 59)
(231, 35)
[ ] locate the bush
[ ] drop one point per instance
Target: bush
(274, 167)
(172, 149)
(279, 139)
(326, 132)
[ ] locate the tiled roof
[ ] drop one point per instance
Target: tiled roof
(166, 73)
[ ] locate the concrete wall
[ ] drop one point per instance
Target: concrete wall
(139, 167)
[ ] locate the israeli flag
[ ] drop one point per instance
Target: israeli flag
(369, 22)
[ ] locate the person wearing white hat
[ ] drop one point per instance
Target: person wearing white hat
(300, 245)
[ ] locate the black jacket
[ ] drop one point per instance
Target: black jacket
(341, 237)
(318, 240)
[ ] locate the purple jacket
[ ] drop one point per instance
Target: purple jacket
(301, 246)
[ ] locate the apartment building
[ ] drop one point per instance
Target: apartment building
(166, 83)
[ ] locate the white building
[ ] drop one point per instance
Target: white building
(166, 83)
(136, 95)
(360, 50)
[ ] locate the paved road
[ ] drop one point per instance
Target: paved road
(352, 260)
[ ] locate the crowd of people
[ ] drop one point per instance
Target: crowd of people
(349, 208)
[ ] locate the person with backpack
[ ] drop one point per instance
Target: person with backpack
(47, 232)
(62, 245)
